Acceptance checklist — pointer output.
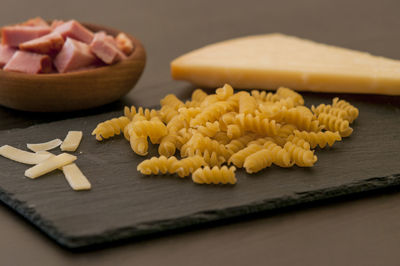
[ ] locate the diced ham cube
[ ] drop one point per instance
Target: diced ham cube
(104, 47)
(15, 35)
(124, 43)
(49, 44)
(6, 52)
(38, 21)
(56, 23)
(75, 30)
(30, 63)
(73, 56)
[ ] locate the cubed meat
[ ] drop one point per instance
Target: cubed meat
(38, 21)
(124, 43)
(49, 44)
(104, 47)
(55, 23)
(30, 63)
(6, 52)
(73, 56)
(15, 35)
(75, 30)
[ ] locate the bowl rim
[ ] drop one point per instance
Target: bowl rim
(108, 30)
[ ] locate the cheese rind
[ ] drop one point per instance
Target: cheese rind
(273, 60)
(44, 146)
(22, 156)
(71, 141)
(75, 177)
(49, 165)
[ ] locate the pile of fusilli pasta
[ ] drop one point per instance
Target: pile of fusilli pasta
(251, 130)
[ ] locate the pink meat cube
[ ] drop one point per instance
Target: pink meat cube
(6, 52)
(75, 30)
(14, 35)
(38, 21)
(49, 44)
(56, 23)
(30, 63)
(73, 56)
(104, 47)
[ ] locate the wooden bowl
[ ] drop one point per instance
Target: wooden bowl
(76, 90)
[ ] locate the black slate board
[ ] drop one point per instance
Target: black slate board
(124, 204)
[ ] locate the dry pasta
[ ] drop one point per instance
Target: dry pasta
(249, 130)
(215, 175)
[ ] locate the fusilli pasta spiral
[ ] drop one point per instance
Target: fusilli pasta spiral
(157, 165)
(215, 175)
(110, 128)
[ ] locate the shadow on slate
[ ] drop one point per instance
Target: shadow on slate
(123, 204)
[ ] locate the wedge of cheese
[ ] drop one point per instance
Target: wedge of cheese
(273, 60)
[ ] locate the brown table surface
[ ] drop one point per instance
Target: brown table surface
(361, 230)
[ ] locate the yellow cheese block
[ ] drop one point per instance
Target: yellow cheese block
(273, 60)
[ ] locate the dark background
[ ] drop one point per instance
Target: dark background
(353, 231)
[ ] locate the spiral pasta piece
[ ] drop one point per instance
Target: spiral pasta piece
(346, 106)
(333, 123)
(168, 145)
(171, 101)
(157, 165)
(257, 125)
(187, 114)
(286, 93)
(154, 129)
(247, 104)
(147, 113)
(286, 130)
(239, 143)
(239, 157)
(139, 144)
(199, 142)
(300, 156)
(301, 118)
(299, 142)
(215, 175)
(110, 128)
(176, 124)
(209, 129)
(280, 156)
(224, 93)
(258, 161)
(211, 113)
(211, 158)
(263, 96)
(234, 131)
(167, 113)
(198, 95)
(222, 137)
(320, 139)
(188, 165)
(328, 109)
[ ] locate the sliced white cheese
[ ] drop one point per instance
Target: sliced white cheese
(22, 156)
(49, 165)
(71, 141)
(75, 177)
(44, 146)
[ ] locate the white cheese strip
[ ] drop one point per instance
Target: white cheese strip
(75, 177)
(22, 156)
(71, 141)
(45, 146)
(49, 165)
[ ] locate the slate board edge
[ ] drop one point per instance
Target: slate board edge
(199, 218)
